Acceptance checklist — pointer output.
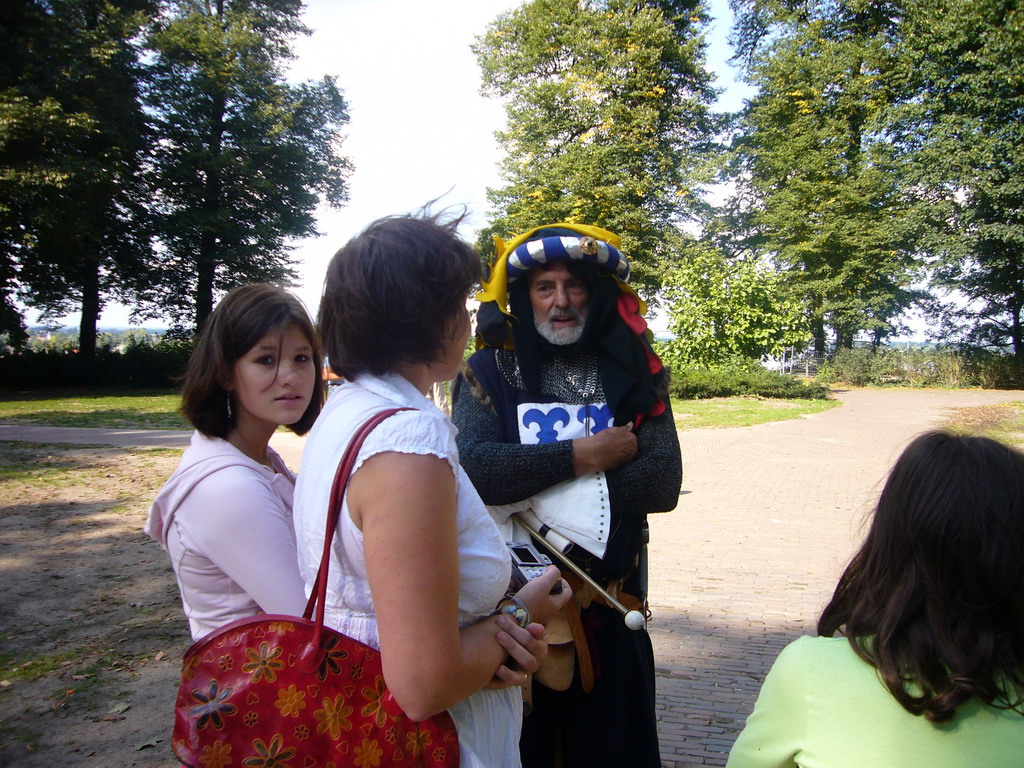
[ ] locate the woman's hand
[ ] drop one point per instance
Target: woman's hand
(526, 649)
(537, 597)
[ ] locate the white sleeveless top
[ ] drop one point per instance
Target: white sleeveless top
(489, 721)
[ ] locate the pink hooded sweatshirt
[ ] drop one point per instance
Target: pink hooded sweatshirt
(226, 522)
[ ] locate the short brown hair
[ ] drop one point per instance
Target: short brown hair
(243, 317)
(391, 292)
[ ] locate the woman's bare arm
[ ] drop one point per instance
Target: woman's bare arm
(405, 505)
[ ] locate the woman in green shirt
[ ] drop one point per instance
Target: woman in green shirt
(928, 671)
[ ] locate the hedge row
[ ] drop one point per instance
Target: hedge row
(741, 378)
(160, 365)
(141, 365)
(924, 367)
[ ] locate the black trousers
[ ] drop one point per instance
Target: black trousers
(614, 726)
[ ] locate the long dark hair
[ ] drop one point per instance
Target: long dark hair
(243, 317)
(934, 599)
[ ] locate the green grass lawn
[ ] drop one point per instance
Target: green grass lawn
(159, 410)
(720, 412)
(152, 409)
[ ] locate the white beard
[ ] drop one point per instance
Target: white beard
(560, 336)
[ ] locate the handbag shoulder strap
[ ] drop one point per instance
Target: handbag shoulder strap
(318, 595)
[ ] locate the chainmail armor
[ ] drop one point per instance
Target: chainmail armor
(573, 380)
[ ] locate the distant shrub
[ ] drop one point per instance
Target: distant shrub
(921, 367)
(993, 370)
(143, 365)
(741, 377)
(936, 366)
(854, 366)
(826, 373)
(949, 367)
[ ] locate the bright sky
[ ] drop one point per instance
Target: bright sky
(419, 128)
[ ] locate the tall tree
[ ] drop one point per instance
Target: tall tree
(71, 144)
(20, 175)
(244, 157)
(609, 118)
(962, 127)
(822, 193)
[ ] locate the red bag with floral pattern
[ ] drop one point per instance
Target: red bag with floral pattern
(274, 691)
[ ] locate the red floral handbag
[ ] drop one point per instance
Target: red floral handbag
(274, 691)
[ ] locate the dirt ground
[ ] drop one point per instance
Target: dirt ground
(91, 628)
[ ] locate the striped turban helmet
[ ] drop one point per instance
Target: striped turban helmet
(547, 244)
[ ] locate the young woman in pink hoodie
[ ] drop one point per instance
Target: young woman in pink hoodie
(225, 515)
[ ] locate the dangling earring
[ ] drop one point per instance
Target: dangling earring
(229, 406)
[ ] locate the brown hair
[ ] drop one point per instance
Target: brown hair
(391, 292)
(933, 599)
(243, 317)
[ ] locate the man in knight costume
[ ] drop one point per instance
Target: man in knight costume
(564, 423)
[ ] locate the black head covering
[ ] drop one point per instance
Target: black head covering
(622, 359)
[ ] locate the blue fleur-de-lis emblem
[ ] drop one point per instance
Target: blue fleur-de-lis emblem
(600, 416)
(548, 422)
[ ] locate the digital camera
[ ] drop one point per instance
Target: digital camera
(527, 562)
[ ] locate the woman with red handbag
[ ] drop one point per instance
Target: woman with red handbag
(418, 568)
(225, 515)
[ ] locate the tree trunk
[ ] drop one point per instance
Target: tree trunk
(818, 332)
(206, 267)
(207, 259)
(1017, 333)
(844, 339)
(91, 306)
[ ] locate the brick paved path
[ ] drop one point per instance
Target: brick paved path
(768, 517)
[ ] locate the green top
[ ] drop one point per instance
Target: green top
(821, 706)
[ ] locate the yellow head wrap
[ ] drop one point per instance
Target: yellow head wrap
(495, 287)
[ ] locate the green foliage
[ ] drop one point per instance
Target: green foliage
(154, 152)
(993, 370)
(67, 340)
(923, 367)
(948, 367)
(244, 156)
(54, 342)
(852, 366)
(961, 126)
(157, 364)
(72, 145)
(608, 119)
(740, 377)
(721, 308)
(819, 188)
(884, 146)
